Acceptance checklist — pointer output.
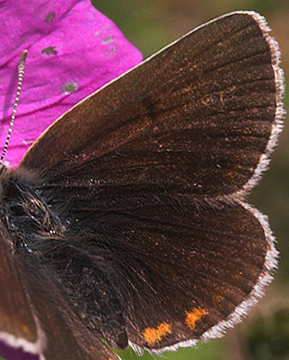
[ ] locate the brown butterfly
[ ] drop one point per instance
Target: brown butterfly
(126, 221)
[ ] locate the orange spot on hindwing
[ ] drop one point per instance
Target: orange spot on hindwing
(218, 301)
(153, 335)
(193, 316)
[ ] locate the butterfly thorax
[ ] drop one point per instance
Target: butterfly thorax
(26, 213)
(38, 228)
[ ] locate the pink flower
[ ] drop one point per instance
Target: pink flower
(73, 50)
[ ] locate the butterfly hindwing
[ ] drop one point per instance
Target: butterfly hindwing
(34, 316)
(193, 270)
(14, 319)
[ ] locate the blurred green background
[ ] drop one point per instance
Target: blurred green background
(150, 25)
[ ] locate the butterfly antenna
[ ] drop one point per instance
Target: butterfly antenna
(21, 67)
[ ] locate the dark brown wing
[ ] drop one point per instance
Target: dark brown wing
(14, 317)
(182, 272)
(193, 119)
(30, 321)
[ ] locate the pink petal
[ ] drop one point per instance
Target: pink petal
(73, 50)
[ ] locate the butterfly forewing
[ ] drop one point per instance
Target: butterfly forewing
(194, 119)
